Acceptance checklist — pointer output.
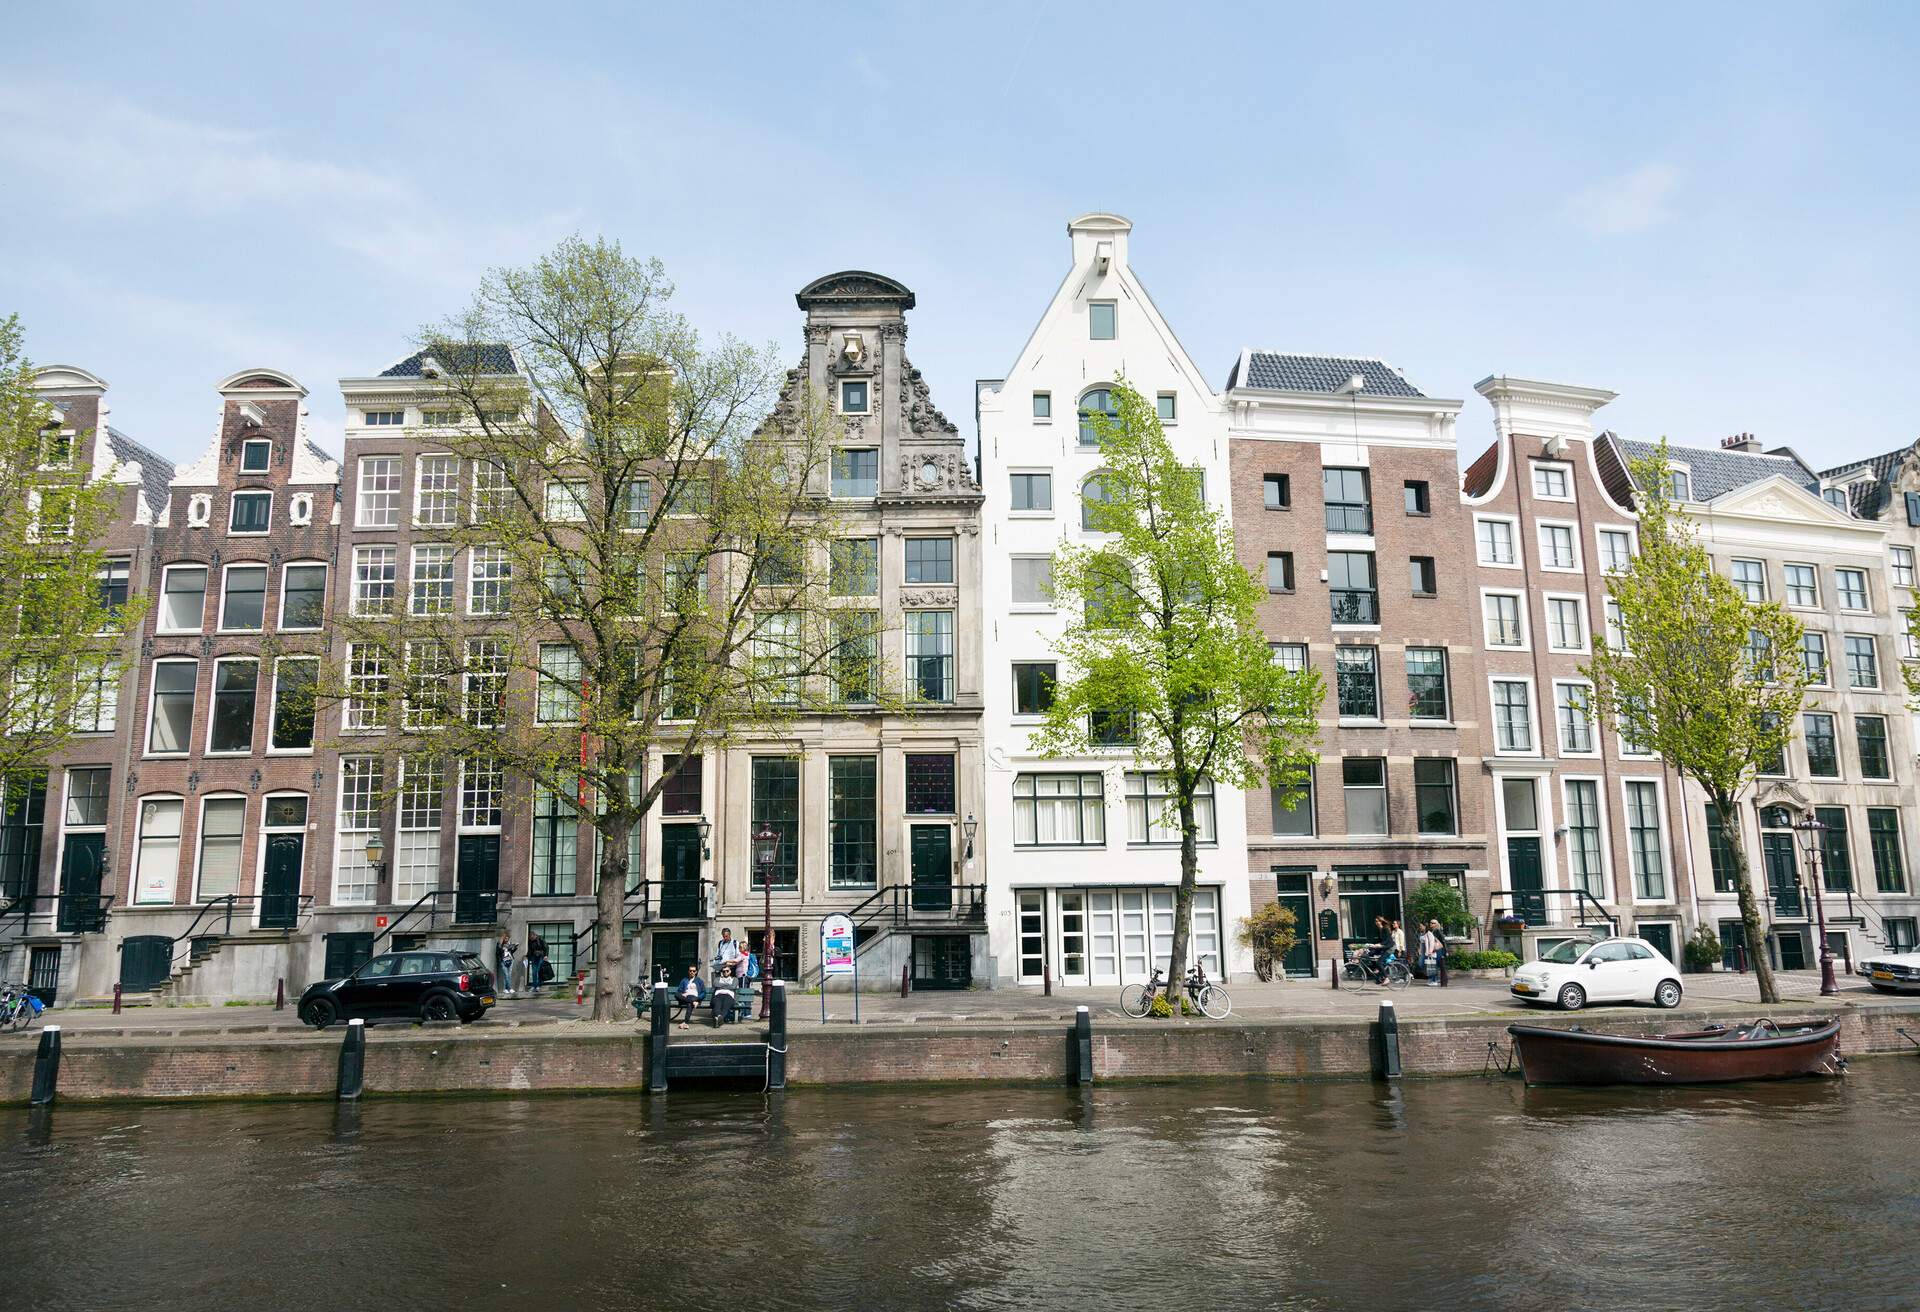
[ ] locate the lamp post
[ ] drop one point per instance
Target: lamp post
(706, 829)
(969, 826)
(1810, 829)
(766, 851)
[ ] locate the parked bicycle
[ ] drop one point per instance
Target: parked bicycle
(1137, 999)
(1385, 969)
(18, 1008)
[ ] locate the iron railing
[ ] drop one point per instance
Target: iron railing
(1530, 905)
(277, 911)
(74, 913)
(463, 906)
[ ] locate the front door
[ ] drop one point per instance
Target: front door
(1783, 876)
(1793, 949)
(477, 880)
(680, 874)
(673, 952)
(346, 953)
(942, 961)
(81, 865)
(43, 974)
(932, 856)
(280, 881)
(146, 960)
(1298, 962)
(1523, 874)
(1660, 938)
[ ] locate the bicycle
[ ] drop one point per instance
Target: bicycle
(1214, 1003)
(19, 1009)
(1388, 971)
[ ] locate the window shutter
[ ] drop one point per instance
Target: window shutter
(1913, 507)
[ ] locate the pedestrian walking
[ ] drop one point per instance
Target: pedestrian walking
(1430, 949)
(1399, 940)
(1439, 952)
(504, 951)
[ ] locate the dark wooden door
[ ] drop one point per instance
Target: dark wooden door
(81, 865)
(942, 961)
(1523, 870)
(1793, 949)
(1298, 963)
(1783, 875)
(680, 874)
(280, 881)
(347, 952)
(673, 952)
(43, 974)
(932, 864)
(145, 961)
(476, 896)
(1660, 938)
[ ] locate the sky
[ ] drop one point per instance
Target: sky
(1710, 209)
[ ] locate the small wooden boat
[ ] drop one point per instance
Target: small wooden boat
(1760, 1051)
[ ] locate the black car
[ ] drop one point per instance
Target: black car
(415, 985)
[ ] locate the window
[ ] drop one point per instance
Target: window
(856, 650)
(383, 418)
(557, 700)
(685, 580)
(1043, 405)
(230, 728)
(1883, 838)
(1100, 402)
(489, 574)
(375, 570)
(1433, 795)
(303, 596)
(1803, 587)
(1836, 850)
(1152, 817)
(1566, 624)
(1616, 549)
(243, 598)
(1553, 482)
(1680, 485)
(777, 655)
(1813, 655)
(438, 418)
(1348, 501)
(96, 707)
(432, 592)
(223, 826)
(1851, 584)
(635, 505)
(1494, 538)
(1276, 492)
(1823, 752)
(856, 472)
(56, 448)
(1644, 846)
(156, 862)
(170, 720)
(1909, 649)
(1750, 576)
(252, 512)
(1573, 711)
(1357, 678)
(1165, 408)
(1032, 493)
(1512, 716)
(1364, 780)
(776, 806)
(436, 491)
(256, 457)
(485, 683)
(779, 564)
(1422, 576)
(1720, 852)
(1033, 686)
(930, 784)
(853, 396)
(853, 821)
(113, 583)
(1837, 498)
(379, 502)
(1059, 810)
(930, 655)
(1418, 500)
(294, 679)
(1863, 665)
(1584, 866)
(1111, 728)
(1759, 656)
(1289, 655)
(929, 560)
(1616, 625)
(1292, 816)
(566, 501)
(1094, 497)
(483, 783)
(1502, 612)
(1350, 584)
(492, 492)
(1279, 571)
(1556, 546)
(366, 686)
(183, 598)
(1871, 730)
(1903, 566)
(1100, 320)
(427, 672)
(556, 843)
(357, 816)
(681, 794)
(853, 567)
(1033, 581)
(1427, 683)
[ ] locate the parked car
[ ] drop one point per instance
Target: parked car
(1576, 972)
(422, 985)
(1895, 972)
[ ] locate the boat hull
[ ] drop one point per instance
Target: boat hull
(1569, 1056)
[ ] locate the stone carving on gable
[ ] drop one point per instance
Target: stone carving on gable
(922, 415)
(930, 597)
(936, 471)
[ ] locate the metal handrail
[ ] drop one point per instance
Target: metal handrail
(592, 930)
(26, 903)
(431, 900)
(704, 905)
(1582, 901)
(303, 903)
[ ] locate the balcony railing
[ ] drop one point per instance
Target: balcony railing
(1355, 606)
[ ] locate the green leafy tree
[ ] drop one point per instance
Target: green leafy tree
(1711, 682)
(1437, 900)
(1163, 657)
(62, 638)
(1270, 932)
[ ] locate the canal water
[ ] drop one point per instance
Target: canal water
(1446, 1194)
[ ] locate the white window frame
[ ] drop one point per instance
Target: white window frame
(1533, 716)
(1873, 646)
(1520, 603)
(1172, 415)
(153, 696)
(461, 824)
(250, 493)
(363, 493)
(199, 896)
(139, 837)
(570, 505)
(840, 396)
(1866, 586)
(1786, 585)
(1668, 874)
(1541, 527)
(350, 845)
(1563, 468)
(1600, 533)
(1733, 563)
(356, 597)
(249, 445)
(266, 580)
(1685, 475)
(1582, 632)
(273, 708)
(1897, 567)
(206, 577)
(1030, 471)
(505, 581)
(1513, 538)
(450, 580)
(280, 618)
(1594, 731)
(1606, 896)
(1042, 606)
(213, 693)
(451, 490)
(1608, 609)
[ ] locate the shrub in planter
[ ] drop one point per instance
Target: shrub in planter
(1270, 932)
(1702, 951)
(1492, 960)
(1435, 900)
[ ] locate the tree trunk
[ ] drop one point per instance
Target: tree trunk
(1751, 929)
(1183, 903)
(610, 915)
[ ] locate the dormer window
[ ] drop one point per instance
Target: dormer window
(853, 396)
(255, 457)
(1837, 498)
(1680, 485)
(56, 449)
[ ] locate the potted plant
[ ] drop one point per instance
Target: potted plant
(1270, 933)
(1703, 951)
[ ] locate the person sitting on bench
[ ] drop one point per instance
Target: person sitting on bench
(690, 994)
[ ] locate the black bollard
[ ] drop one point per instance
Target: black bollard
(1440, 959)
(353, 1061)
(1046, 979)
(280, 994)
(1389, 1042)
(46, 1068)
(777, 1037)
(116, 997)
(1339, 964)
(906, 981)
(657, 1041)
(1082, 1046)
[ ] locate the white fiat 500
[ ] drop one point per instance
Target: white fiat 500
(1572, 974)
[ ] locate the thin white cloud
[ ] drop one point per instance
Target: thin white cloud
(1631, 202)
(106, 155)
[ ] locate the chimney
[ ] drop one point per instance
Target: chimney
(1745, 443)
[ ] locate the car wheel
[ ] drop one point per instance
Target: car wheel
(320, 1013)
(1667, 996)
(1572, 998)
(438, 1006)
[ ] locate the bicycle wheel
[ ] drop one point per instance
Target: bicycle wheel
(1214, 1002)
(1398, 976)
(1134, 1000)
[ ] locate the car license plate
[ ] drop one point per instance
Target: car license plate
(486, 1002)
(1883, 974)
(1523, 988)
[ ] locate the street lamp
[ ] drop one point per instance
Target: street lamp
(376, 855)
(706, 828)
(766, 851)
(969, 826)
(1810, 830)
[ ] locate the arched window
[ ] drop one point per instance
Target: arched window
(1098, 401)
(1093, 492)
